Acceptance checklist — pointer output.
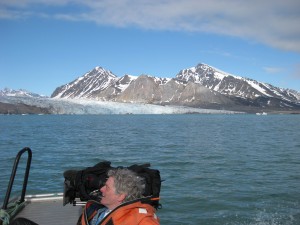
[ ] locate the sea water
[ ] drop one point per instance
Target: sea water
(217, 169)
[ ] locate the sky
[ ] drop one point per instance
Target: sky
(48, 43)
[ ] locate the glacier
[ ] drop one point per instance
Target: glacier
(92, 107)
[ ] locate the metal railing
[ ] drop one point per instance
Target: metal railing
(13, 174)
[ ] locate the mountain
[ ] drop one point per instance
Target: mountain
(9, 103)
(87, 86)
(201, 86)
(245, 92)
(200, 89)
(236, 86)
(19, 107)
(19, 93)
(100, 84)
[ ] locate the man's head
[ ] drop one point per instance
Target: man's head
(122, 185)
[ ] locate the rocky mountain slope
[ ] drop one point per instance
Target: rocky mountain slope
(20, 108)
(202, 87)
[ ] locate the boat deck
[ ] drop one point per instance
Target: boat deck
(49, 210)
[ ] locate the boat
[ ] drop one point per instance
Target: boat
(46, 209)
(66, 208)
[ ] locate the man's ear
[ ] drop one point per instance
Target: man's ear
(121, 197)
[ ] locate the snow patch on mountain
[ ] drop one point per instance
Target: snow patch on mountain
(123, 82)
(256, 85)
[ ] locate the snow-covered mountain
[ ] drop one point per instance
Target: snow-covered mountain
(201, 86)
(86, 86)
(101, 84)
(192, 90)
(19, 93)
(232, 85)
(11, 102)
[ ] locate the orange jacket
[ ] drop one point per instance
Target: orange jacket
(131, 213)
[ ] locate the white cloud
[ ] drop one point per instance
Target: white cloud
(273, 23)
(272, 70)
(296, 72)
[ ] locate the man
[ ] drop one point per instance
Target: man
(122, 202)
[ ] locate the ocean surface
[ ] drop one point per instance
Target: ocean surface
(217, 169)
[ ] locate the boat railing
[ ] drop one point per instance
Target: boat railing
(13, 174)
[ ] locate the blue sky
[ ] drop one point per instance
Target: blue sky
(45, 44)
